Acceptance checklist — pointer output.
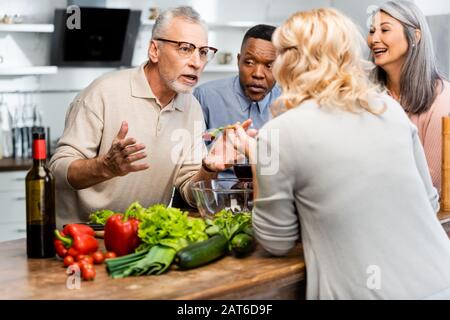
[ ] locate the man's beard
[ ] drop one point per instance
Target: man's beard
(176, 86)
(180, 88)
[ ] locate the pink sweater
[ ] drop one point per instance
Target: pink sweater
(429, 125)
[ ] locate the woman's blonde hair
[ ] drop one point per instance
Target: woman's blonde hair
(320, 58)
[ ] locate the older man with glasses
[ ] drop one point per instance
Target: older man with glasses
(134, 134)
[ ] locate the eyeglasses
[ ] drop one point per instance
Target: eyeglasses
(186, 49)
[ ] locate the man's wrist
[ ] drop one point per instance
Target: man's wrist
(103, 168)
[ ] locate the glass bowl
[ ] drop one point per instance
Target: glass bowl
(215, 195)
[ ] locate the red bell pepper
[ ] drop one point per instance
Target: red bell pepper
(79, 229)
(75, 239)
(121, 234)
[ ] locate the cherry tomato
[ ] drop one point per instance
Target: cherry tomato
(98, 257)
(68, 260)
(80, 257)
(88, 272)
(89, 259)
(84, 262)
(86, 265)
(110, 255)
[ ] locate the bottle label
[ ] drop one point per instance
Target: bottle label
(36, 208)
(39, 149)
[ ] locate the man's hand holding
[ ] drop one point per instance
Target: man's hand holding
(223, 154)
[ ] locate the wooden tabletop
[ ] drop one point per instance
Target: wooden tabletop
(258, 276)
(11, 164)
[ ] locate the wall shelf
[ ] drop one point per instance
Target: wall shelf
(19, 27)
(218, 25)
(147, 22)
(27, 71)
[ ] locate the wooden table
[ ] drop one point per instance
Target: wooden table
(258, 276)
(11, 164)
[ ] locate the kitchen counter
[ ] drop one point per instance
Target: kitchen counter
(258, 276)
(11, 164)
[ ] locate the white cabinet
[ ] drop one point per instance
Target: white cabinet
(19, 27)
(12, 202)
(14, 70)
(27, 71)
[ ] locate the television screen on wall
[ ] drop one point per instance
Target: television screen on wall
(103, 38)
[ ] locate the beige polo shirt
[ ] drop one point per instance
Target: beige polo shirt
(172, 136)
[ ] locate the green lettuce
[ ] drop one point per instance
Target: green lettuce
(100, 216)
(169, 227)
(230, 224)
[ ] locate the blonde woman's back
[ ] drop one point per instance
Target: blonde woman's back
(359, 185)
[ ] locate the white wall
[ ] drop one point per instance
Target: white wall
(357, 9)
(433, 7)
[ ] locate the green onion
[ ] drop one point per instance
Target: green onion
(152, 261)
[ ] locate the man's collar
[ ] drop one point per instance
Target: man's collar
(140, 88)
(245, 102)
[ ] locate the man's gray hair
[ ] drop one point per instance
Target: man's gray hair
(420, 78)
(185, 12)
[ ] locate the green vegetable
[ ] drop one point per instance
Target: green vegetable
(100, 216)
(248, 230)
(170, 227)
(201, 253)
(163, 232)
(212, 230)
(166, 231)
(117, 265)
(154, 261)
(231, 224)
(135, 210)
(242, 244)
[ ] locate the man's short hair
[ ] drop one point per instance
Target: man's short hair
(185, 12)
(260, 31)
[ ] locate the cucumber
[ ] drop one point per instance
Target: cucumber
(203, 252)
(242, 244)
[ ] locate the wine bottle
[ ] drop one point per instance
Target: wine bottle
(40, 201)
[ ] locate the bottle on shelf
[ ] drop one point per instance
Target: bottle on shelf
(5, 127)
(27, 138)
(17, 132)
(40, 201)
(6, 130)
